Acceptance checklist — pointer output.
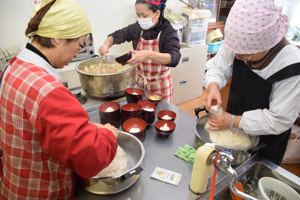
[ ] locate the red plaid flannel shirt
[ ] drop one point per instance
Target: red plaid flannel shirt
(39, 154)
(27, 169)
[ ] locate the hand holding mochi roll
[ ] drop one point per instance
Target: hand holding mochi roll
(226, 138)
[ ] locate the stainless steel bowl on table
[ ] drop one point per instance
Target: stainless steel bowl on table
(239, 155)
(105, 85)
(135, 153)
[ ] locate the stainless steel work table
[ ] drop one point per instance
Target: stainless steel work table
(159, 153)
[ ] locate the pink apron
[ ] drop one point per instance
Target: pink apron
(151, 75)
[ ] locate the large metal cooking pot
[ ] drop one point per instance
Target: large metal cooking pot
(135, 153)
(105, 85)
(239, 155)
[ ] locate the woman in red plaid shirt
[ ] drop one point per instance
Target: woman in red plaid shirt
(45, 134)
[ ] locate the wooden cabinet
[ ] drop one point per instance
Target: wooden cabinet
(222, 10)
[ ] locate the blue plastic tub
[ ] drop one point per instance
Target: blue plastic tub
(214, 47)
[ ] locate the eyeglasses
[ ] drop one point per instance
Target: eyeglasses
(82, 48)
(245, 57)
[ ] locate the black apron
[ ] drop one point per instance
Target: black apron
(248, 91)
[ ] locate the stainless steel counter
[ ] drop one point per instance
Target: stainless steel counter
(159, 153)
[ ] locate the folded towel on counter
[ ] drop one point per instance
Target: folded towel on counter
(187, 152)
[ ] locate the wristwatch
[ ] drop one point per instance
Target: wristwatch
(232, 120)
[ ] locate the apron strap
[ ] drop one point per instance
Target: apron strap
(287, 72)
(158, 35)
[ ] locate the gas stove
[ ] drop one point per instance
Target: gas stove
(90, 103)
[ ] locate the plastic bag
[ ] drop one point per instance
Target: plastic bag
(292, 155)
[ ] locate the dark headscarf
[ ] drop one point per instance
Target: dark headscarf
(160, 4)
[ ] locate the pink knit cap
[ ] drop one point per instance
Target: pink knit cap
(254, 26)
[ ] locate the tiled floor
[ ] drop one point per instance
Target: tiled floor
(190, 106)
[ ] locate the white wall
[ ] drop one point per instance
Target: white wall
(105, 17)
(292, 9)
(14, 16)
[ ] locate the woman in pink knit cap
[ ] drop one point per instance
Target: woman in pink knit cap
(264, 97)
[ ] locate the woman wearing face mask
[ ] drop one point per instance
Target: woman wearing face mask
(156, 47)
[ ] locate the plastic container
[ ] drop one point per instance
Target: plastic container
(269, 188)
(212, 6)
(223, 3)
(214, 47)
(194, 37)
(179, 29)
(196, 23)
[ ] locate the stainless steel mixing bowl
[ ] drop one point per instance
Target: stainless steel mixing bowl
(135, 153)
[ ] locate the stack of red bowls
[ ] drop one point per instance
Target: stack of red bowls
(148, 111)
(129, 111)
(136, 127)
(133, 95)
(110, 113)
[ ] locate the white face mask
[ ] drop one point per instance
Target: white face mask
(146, 23)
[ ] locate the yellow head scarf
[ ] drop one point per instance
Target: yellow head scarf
(65, 20)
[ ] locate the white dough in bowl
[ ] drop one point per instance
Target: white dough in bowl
(166, 117)
(134, 130)
(109, 109)
(165, 127)
(228, 139)
(148, 109)
(117, 166)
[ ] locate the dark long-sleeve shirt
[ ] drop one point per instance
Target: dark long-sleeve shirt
(168, 41)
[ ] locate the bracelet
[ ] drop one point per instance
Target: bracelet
(232, 120)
